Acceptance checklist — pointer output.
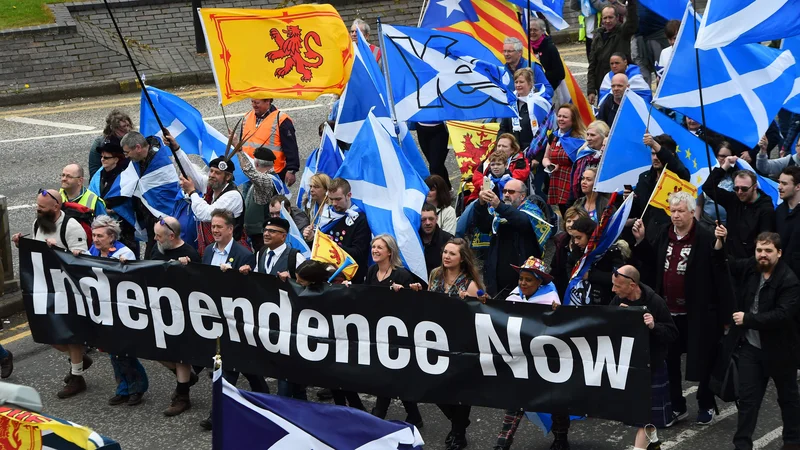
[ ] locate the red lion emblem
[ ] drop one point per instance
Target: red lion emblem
(473, 155)
(290, 48)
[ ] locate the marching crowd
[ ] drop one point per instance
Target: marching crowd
(719, 267)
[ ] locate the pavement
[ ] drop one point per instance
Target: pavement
(37, 140)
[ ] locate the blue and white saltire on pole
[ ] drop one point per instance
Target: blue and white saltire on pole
(735, 22)
(793, 101)
(387, 188)
(552, 10)
(327, 159)
(744, 86)
(294, 236)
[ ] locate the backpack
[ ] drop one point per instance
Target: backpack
(82, 214)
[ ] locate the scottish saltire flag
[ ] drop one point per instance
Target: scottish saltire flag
(793, 101)
(295, 237)
(735, 22)
(571, 145)
(385, 186)
(635, 80)
(366, 92)
(249, 420)
(767, 185)
(626, 156)
(668, 9)
(552, 10)
(605, 236)
(439, 75)
(186, 125)
(327, 158)
(443, 13)
(743, 86)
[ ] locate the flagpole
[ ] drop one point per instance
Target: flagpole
(653, 194)
(528, 12)
(385, 65)
(700, 91)
(422, 11)
(143, 86)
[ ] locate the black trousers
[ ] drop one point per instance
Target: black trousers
(257, 382)
(347, 398)
(382, 407)
(753, 379)
(588, 47)
(458, 415)
(433, 143)
(705, 398)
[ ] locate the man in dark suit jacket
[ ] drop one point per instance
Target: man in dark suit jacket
(229, 254)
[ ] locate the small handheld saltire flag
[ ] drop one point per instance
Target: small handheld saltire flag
(668, 9)
(471, 142)
(386, 187)
(295, 237)
(728, 22)
(767, 185)
(299, 52)
(552, 10)
(496, 20)
(438, 75)
(327, 159)
(793, 101)
(636, 82)
(186, 125)
(744, 86)
(668, 183)
(626, 156)
(324, 249)
(249, 420)
(569, 92)
(604, 236)
(348, 262)
(26, 430)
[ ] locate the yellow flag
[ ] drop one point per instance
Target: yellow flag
(471, 143)
(325, 250)
(298, 52)
(670, 182)
(20, 429)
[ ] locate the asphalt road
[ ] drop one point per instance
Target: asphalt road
(37, 140)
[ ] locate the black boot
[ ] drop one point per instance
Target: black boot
(560, 442)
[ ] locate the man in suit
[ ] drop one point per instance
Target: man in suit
(228, 254)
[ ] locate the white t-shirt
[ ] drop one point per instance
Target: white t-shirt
(76, 236)
(663, 60)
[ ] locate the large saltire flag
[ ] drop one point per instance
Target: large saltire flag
(668, 183)
(488, 21)
(299, 52)
(471, 142)
(737, 22)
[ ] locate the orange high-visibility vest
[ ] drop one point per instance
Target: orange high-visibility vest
(267, 134)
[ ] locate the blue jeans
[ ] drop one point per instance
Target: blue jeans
(130, 375)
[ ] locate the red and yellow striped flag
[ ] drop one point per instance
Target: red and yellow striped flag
(570, 92)
(498, 19)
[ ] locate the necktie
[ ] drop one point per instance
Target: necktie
(269, 260)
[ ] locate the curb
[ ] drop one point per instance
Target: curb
(11, 304)
(111, 87)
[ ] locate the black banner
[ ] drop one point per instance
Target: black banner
(418, 346)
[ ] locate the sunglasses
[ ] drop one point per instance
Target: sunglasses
(509, 191)
(742, 188)
(105, 158)
(164, 223)
(620, 274)
(45, 193)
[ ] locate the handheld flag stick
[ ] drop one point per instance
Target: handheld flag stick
(141, 83)
(700, 91)
(653, 194)
(319, 210)
(385, 66)
(528, 22)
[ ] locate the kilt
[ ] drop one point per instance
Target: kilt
(660, 403)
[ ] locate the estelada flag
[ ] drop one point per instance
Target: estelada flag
(668, 183)
(570, 92)
(471, 143)
(325, 250)
(299, 52)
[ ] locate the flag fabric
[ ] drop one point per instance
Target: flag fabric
(244, 419)
(438, 75)
(324, 249)
(294, 236)
(496, 20)
(767, 185)
(743, 86)
(605, 235)
(626, 156)
(441, 14)
(26, 430)
(327, 159)
(571, 145)
(735, 22)
(668, 183)
(545, 421)
(300, 52)
(570, 92)
(552, 10)
(386, 187)
(636, 83)
(348, 262)
(793, 100)
(668, 9)
(472, 142)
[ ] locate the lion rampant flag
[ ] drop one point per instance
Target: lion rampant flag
(471, 143)
(668, 183)
(299, 52)
(325, 250)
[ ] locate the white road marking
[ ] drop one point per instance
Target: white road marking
(47, 123)
(582, 65)
(579, 74)
(697, 429)
(15, 207)
(763, 441)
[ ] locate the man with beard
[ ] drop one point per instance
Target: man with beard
(765, 329)
(513, 227)
(47, 228)
(170, 247)
(221, 194)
